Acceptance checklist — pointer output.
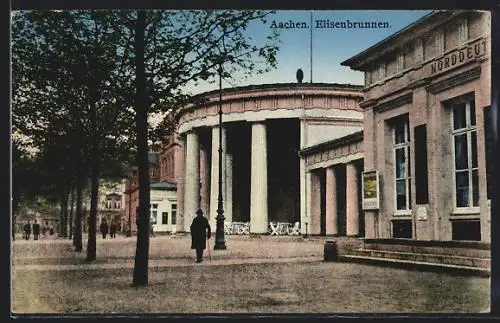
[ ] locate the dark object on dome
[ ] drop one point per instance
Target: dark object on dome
(300, 75)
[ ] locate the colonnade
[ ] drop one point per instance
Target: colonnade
(331, 201)
(196, 192)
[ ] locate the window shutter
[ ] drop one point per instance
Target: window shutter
(421, 172)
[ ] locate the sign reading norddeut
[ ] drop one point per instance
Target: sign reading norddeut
(459, 57)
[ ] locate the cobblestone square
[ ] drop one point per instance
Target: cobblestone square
(254, 275)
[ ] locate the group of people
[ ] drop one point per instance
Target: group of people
(111, 229)
(200, 232)
(104, 228)
(35, 228)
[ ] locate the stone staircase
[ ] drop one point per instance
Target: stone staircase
(463, 257)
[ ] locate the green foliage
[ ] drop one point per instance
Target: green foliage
(66, 63)
(184, 48)
(63, 66)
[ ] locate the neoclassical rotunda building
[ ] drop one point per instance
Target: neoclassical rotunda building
(268, 132)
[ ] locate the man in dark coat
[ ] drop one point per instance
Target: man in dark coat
(36, 230)
(200, 233)
(112, 229)
(27, 230)
(104, 228)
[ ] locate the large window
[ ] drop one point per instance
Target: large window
(401, 148)
(174, 214)
(465, 151)
(154, 213)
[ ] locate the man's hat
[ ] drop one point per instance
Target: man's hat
(199, 212)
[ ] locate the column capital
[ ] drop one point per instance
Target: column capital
(258, 122)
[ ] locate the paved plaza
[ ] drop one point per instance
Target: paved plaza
(266, 274)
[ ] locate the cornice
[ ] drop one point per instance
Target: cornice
(454, 80)
(339, 142)
(394, 103)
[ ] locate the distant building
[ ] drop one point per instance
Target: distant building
(110, 205)
(163, 201)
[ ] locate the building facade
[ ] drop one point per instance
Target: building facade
(426, 128)
(111, 202)
(163, 188)
(264, 127)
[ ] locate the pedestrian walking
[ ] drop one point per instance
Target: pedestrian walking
(36, 230)
(104, 228)
(112, 229)
(151, 229)
(200, 233)
(27, 230)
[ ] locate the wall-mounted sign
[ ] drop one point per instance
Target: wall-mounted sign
(459, 56)
(421, 213)
(371, 193)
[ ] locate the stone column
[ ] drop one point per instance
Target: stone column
(258, 189)
(303, 199)
(303, 181)
(228, 192)
(179, 165)
(314, 226)
(352, 208)
(192, 186)
(331, 201)
(214, 177)
(204, 180)
(308, 203)
(369, 160)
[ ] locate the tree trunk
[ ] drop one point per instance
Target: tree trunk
(94, 189)
(61, 214)
(71, 220)
(141, 114)
(78, 243)
(64, 212)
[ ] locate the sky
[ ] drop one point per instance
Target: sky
(330, 46)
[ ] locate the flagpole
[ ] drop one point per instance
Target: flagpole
(311, 46)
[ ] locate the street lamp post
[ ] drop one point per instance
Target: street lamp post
(220, 243)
